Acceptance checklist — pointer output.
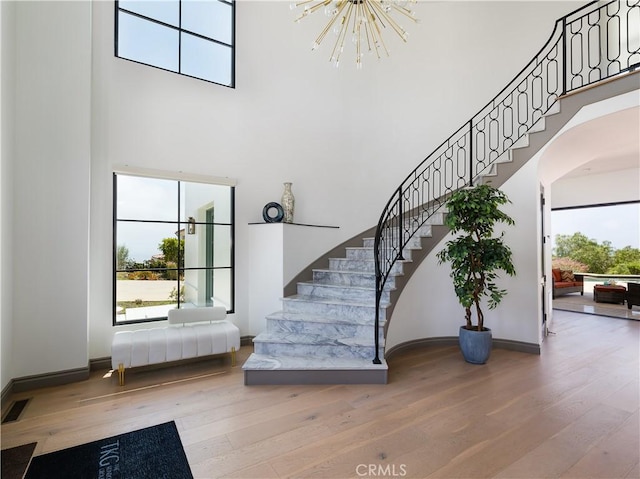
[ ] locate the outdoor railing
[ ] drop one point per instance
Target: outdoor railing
(595, 42)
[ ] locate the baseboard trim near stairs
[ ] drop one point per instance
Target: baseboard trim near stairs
(520, 346)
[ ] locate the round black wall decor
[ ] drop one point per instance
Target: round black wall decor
(272, 219)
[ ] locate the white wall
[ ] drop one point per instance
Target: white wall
(428, 306)
(51, 187)
(609, 187)
(7, 104)
(345, 138)
(276, 251)
(293, 117)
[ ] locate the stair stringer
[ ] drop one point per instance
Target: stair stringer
(306, 274)
(569, 106)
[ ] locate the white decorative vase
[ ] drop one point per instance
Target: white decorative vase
(288, 202)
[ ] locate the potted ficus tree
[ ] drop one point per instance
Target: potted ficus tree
(476, 257)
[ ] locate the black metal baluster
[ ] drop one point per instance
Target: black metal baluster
(564, 56)
(471, 152)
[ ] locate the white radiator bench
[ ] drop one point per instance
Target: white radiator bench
(192, 332)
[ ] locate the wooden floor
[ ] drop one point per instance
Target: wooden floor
(572, 412)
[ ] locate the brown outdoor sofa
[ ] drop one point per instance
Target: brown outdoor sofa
(565, 282)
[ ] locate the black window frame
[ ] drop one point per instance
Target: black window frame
(179, 224)
(180, 30)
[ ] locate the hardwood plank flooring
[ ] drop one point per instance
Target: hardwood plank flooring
(572, 412)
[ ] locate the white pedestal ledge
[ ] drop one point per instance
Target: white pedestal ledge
(278, 252)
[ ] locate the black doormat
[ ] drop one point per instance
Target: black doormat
(153, 452)
(15, 460)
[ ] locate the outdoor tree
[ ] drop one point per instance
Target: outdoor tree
(572, 252)
(172, 249)
(122, 256)
(598, 257)
(626, 261)
(569, 264)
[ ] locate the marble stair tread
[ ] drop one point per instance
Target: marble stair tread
(350, 271)
(367, 261)
(313, 339)
(318, 318)
(340, 286)
(370, 248)
(314, 299)
(415, 243)
(348, 278)
(263, 361)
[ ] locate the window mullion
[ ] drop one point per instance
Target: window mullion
(180, 31)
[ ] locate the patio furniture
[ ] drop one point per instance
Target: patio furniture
(565, 282)
(609, 294)
(633, 294)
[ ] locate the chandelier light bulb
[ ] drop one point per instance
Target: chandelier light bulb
(365, 20)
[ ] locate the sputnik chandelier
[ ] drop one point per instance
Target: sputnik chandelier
(362, 20)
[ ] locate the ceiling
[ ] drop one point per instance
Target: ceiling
(610, 143)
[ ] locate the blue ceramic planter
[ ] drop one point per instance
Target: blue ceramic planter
(475, 345)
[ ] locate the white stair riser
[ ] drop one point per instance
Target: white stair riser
(306, 350)
(363, 280)
(323, 291)
(423, 231)
(414, 243)
(342, 264)
(332, 310)
(284, 325)
(436, 218)
(367, 253)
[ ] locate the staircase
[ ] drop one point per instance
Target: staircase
(324, 333)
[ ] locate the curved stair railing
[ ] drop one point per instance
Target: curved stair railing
(591, 44)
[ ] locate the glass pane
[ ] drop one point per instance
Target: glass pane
(193, 293)
(208, 18)
(222, 288)
(140, 299)
(206, 60)
(223, 207)
(147, 42)
(147, 198)
(142, 244)
(167, 11)
(210, 246)
(197, 198)
(202, 287)
(194, 248)
(221, 246)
